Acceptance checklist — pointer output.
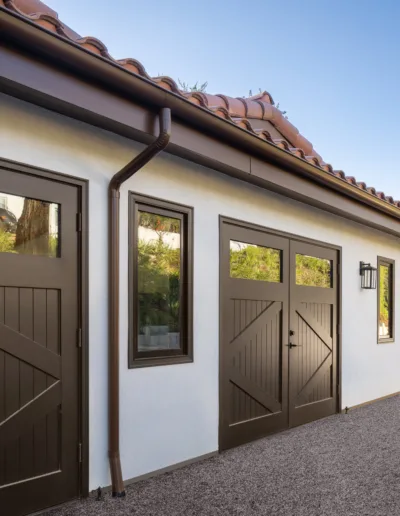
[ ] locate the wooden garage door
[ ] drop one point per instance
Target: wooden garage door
(313, 328)
(253, 372)
(278, 333)
(39, 396)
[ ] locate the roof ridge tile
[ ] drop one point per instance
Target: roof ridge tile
(261, 96)
(244, 104)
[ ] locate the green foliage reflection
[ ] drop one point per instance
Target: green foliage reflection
(7, 241)
(312, 271)
(159, 272)
(255, 262)
(384, 299)
(260, 263)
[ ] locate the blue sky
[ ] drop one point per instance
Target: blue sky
(333, 66)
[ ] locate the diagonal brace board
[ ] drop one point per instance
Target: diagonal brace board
(258, 324)
(315, 326)
(314, 380)
(28, 351)
(253, 390)
(33, 411)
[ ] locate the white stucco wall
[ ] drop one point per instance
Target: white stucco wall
(170, 414)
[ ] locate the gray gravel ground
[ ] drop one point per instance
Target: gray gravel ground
(344, 465)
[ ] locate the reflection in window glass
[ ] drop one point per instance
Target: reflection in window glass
(159, 281)
(385, 301)
(313, 272)
(28, 226)
(249, 261)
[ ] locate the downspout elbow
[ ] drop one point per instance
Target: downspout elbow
(146, 155)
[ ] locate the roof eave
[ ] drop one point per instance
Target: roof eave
(114, 77)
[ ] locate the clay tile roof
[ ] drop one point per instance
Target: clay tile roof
(247, 113)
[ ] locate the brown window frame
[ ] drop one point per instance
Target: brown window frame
(138, 358)
(391, 264)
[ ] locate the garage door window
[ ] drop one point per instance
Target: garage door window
(313, 272)
(254, 262)
(161, 261)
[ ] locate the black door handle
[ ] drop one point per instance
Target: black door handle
(290, 345)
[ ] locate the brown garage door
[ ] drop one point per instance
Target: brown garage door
(313, 333)
(278, 333)
(39, 395)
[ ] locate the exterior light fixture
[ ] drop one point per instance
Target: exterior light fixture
(368, 276)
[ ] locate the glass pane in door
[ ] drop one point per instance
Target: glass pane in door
(254, 262)
(313, 272)
(29, 226)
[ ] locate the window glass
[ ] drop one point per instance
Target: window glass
(385, 301)
(313, 272)
(159, 281)
(254, 262)
(28, 226)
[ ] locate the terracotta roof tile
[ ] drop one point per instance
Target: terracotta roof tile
(31, 7)
(244, 112)
(254, 109)
(264, 134)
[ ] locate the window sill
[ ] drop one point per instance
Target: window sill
(386, 341)
(159, 361)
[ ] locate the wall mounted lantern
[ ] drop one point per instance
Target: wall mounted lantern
(368, 276)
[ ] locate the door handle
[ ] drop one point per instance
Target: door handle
(291, 345)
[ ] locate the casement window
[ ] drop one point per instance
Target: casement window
(160, 282)
(385, 300)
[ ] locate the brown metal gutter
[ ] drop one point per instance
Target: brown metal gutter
(113, 243)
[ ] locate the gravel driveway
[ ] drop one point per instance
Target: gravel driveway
(344, 465)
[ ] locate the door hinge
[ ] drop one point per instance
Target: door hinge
(79, 452)
(79, 221)
(79, 337)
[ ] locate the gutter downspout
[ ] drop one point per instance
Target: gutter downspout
(118, 488)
